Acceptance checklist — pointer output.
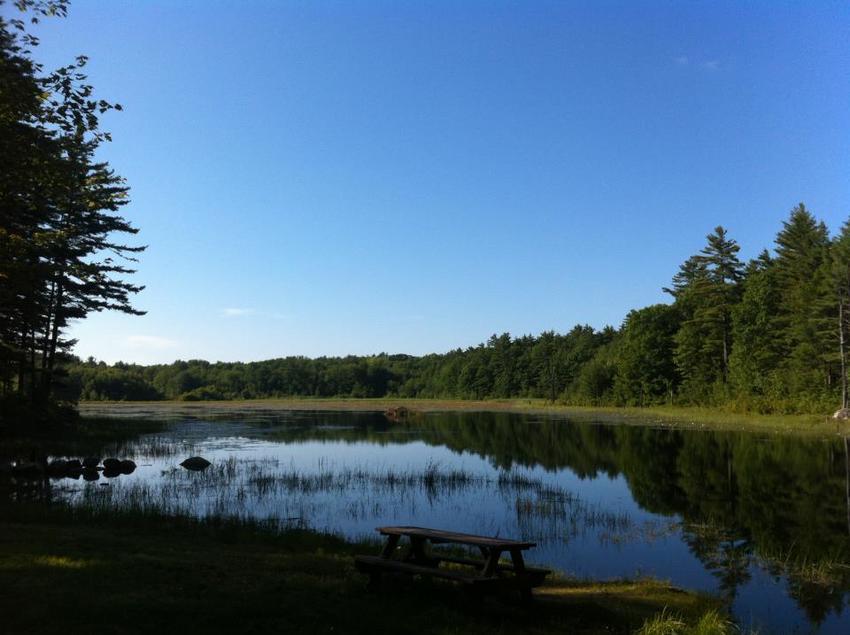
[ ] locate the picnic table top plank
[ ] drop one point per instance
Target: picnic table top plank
(439, 536)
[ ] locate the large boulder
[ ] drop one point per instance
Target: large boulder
(111, 468)
(842, 415)
(196, 463)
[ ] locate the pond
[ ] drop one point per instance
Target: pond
(762, 521)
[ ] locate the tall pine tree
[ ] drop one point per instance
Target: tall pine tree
(706, 289)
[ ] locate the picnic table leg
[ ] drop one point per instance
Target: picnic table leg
(389, 547)
(386, 553)
(521, 576)
(417, 554)
(491, 565)
(485, 553)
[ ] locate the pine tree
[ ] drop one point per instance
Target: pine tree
(706, 289)
(801, 268)
(756, 353)
(58, 258)
(840, 283)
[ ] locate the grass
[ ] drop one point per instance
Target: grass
(711, 623)
(63, 572)
(687, 417)
(241, 488)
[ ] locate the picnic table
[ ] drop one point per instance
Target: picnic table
(417, 558)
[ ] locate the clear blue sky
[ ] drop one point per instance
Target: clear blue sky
(355, 177)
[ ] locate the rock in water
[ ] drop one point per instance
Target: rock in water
(91, 462)
(91, 474)
(127, 466)
(57, 467)
(111, 465)
(842, 414)
(73, 465)
(397, 414)
(196, 463)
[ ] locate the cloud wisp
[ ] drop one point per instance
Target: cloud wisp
(237, 312)
(233, 312)
(707, 65)
(150, 342)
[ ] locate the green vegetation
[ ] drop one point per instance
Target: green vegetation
(125, 573)
(58, 258)
(712, 623)
(766, 337)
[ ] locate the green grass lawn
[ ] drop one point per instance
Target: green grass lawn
(63, 573)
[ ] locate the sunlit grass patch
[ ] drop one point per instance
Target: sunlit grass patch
(710, 623)
(25, 561)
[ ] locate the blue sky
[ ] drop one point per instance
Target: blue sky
(353, 177)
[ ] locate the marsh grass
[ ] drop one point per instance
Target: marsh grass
(268, 490)
(648, 532)
(827, 571)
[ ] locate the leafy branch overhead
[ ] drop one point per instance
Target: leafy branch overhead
(59, 256)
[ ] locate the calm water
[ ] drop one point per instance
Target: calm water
(763, 522)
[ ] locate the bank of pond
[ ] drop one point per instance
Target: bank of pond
(760, 522)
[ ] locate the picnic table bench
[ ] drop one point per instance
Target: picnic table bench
(479, 574)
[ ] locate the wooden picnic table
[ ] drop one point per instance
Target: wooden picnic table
(487, 572)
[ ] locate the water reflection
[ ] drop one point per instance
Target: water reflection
(763, 521)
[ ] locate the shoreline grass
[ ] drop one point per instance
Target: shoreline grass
(129, 573)
(683, 417)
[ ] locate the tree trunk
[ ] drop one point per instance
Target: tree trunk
(842, 354)
(47, 376)
(847, 478)
(22, 364)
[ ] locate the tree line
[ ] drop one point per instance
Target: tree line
(768, 335)
(59, 204)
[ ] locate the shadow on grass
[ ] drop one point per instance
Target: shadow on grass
(67, 572)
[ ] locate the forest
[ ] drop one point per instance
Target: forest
(765, 336)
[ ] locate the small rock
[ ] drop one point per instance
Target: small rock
(196, 463)
(57, 467)
(842, 415)
(127, 466)
(397, 414)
